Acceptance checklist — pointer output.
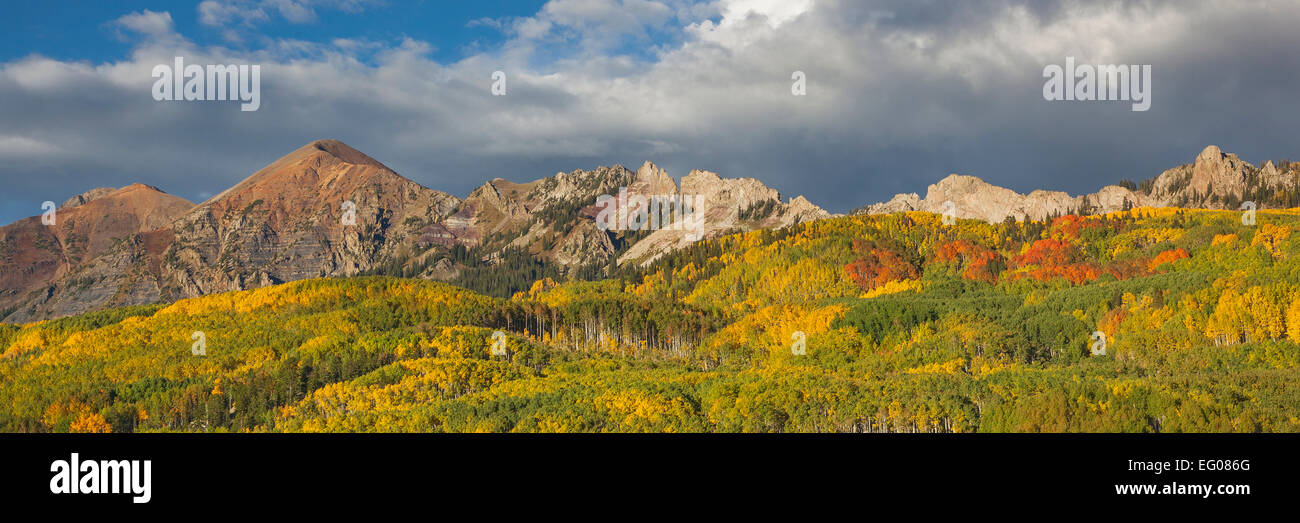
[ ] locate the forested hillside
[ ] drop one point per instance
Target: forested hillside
(868, 323)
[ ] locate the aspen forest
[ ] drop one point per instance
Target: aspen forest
(1145, 320)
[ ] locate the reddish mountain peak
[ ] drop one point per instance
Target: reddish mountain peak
(139, 187)
(343, 152)
(87, 196)
(323, 169)
(132, 209)
(104, 192)
(87, 226)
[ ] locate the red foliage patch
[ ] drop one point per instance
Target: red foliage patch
(878, 266)
(1049, 253)
(1077, 273)
(1068, 226)
(1169, 256)
(980, 263)
(1053, 258)
(1123, 270)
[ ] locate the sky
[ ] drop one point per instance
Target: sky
(899, 93)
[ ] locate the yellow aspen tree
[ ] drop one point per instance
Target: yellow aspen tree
(1293, 321)
(90, 422)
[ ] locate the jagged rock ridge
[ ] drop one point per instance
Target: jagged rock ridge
(327, 209)
(1215, 180)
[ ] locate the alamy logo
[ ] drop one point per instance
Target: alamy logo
(49, 217)
(349, 213)
(638, 212)
(213, 83)
(498, 343)
(74, 476)
(949, 213)
(799, 347)
(200, 346)
(498, 83)
(1098, 343)
(1102, 83)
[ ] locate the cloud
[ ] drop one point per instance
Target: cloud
(239, 17)
(591, 26)
(774, 12)
(219, 13)
(23, 147)
(147, 23)
(900, 93)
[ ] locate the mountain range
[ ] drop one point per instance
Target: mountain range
(327, 209)
(1216, 180)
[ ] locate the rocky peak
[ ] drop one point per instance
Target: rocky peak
(37, 257)
(652, 179)
(1213, 174)
(1211, 153)
(1217, 173)
(972, 197)
(723, 205)
(801, 205)
(87, 196)
(343, 152)
(1271, 176)
(698, 179)
(324, 209)
(902, 202)
(319, 170)
(957, 187)
(488, 191)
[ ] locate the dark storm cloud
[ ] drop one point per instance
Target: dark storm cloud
(900, 94)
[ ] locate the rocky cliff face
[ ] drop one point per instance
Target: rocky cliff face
(36, 259)
(327, 209)
(1215, 180)
(323, 210)
(724, 205)
(550, 218)
(555, 218)
(93, 194)
(972, 197)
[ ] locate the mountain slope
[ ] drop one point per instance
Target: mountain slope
(283, 223)
(555, 218)
(1216, 180)
(33, 256)
(726, 205)
(325, 209)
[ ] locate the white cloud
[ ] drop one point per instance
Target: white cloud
(775, 12)
(239, 17)
(295, 11)
(220, 13)
(594, 26)
(148, 23)
(745, 21)
(532, 28)
(39, 74)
